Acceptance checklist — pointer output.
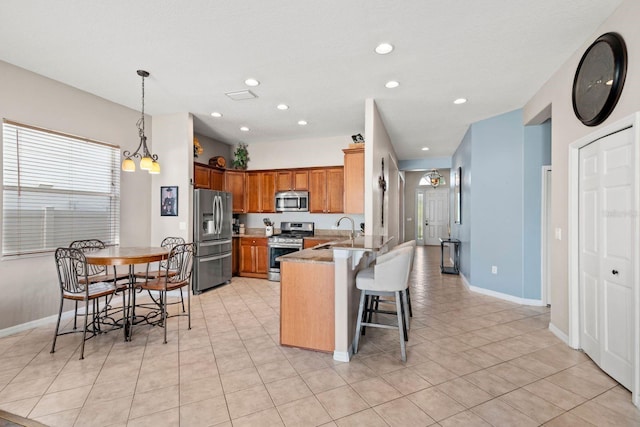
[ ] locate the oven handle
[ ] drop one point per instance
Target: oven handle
(284, 245)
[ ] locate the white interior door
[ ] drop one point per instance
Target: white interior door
(432, 215)
(606, 226)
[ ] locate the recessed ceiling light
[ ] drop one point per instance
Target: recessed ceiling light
(251, 82)
(216, 114)
(609, 82)
(282, 107)
(302, 122)
(460, 101)
(244, 129)
(425, 148)
(384, 48)
(391, 84)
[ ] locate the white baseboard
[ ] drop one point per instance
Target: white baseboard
(342, 356)
(35, 324)
(500, 295)
(558, 333)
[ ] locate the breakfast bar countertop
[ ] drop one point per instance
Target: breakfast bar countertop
(325, 255)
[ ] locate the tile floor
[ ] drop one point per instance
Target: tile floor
(472, 361)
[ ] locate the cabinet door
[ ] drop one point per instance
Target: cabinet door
(253, 192)
(354, 180)
(300, 180)
(216, 180)
(246, 256)
(267, 191)
(335, 190)
(317, 191)
(261, 259)
(284, 181)
(234, 183)
(201, 178)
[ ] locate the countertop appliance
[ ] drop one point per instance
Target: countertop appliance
(290, 239)
(212, 236)
(292, 201)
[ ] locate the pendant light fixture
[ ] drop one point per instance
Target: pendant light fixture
(435, 178)
(148, 161)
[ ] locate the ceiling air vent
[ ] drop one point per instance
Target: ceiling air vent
(241, 95)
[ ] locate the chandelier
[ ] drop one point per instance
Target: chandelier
(435, 179)
(148, 161)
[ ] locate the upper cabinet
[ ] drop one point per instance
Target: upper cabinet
(354, 180)
(207, 177)
(234, 184)
(261, 191)
(293, 180)
(326, 190)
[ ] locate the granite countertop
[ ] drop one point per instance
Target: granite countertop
(361, 243)
(316, 256)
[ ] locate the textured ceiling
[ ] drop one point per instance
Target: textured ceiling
(317, 57)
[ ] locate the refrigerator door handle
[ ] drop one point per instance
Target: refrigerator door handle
(216, 242)
(220, 207)
(213, 258)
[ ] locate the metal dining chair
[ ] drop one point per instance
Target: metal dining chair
(177, 275)
(152, 274)
(73, 279)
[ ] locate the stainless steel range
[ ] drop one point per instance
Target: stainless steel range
(290, 239)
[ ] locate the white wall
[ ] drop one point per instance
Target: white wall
(29, 285)
(378, 146)
(566, 128)
(297, 153)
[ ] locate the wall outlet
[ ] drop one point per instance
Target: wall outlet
(494, 269)
(558, 232)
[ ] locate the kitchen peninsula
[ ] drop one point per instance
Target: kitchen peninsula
(318, 296)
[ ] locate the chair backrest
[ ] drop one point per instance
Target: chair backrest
(412, 244)
(181, 263)
(90, 245)
(72, 270)
(169, 243)
(391, 271)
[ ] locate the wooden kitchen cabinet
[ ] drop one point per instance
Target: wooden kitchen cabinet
(234, 184)
(293, 180)
(310, 243)
(326, 190)
(261, 191)
(354, 180)
(207, 177)
(253, 257)
(307, 305)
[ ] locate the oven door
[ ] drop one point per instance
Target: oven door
(277, 250)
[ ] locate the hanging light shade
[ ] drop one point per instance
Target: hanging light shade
(148, 161)
(435, 178)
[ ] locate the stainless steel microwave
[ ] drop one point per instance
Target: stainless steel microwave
(292, 201)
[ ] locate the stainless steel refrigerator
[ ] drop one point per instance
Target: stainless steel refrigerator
(212, 236)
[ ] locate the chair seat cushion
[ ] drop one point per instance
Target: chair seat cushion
(155, 274)
(158, 285)
(96, 290)
(105, 278)
(365, 279)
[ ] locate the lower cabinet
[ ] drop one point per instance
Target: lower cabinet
(253, 257)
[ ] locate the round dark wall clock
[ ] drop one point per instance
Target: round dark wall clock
(599, 79)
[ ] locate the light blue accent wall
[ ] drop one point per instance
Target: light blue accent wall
(462, 158)
(425, 164)
(496, 199)
(537, 153)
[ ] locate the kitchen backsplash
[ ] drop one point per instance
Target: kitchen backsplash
(322, 221)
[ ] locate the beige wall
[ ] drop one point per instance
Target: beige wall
(29, 285)
(566, 128)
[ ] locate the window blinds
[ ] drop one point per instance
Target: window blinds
(57, 188)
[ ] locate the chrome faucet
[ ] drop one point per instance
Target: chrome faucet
(353, 230)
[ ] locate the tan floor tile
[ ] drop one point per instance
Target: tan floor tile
(458, 364)
(375, 391)
(274, 371)
(568, 420)
(490, 383)
(577, 385)
(619, 401)
(498, 414)
(464, 419)
(248, 401)
(159, 379)
(233, 363)
(266, 418)
(97, 414)
(240, 380)
(354, 371)
(322, 380)
(107, 391)
(151, 401)
(266, 355)
(304, 412)
(192, 371)
(401, 412)
(383, 363)
(200, 389)
(170, 417)
(601, 416)
(513, 374)
(20, 407)
(204, 412)
(433, 372)
(366, 418)
(60, 419)
(60, 401)
(436, 403)
(23, 390)
(531, 405)
(406, 381)
(462, 391)
(288, 390)
(73, 380)
(341, 402)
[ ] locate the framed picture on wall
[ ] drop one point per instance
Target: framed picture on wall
(457, 197)
(169, 201)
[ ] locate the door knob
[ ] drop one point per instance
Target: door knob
(614, 272)
(426, 223)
